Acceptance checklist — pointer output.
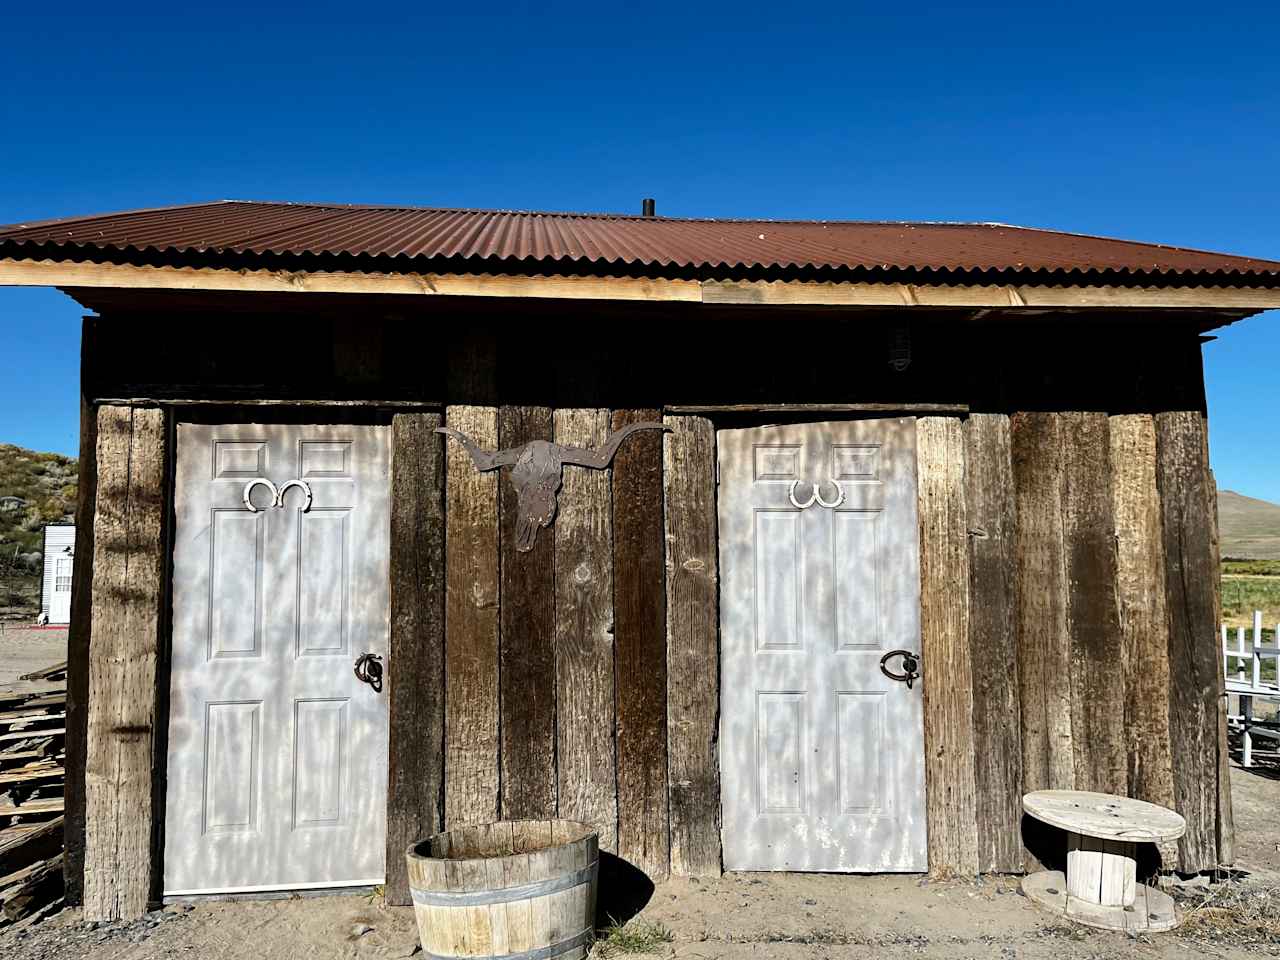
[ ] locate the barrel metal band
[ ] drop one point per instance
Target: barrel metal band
(469, 898)
(538, 953)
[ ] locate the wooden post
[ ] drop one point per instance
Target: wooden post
(1194, 658)
(527, 675)
(1093, 620)
(1144, 615)
(640, 649)
(1044, 644)
(1226, 823)
(415, 782)
(993, 641)
(78, 636)
(951, 803)
(583, 531)
(130, 564)
(693, 629)
(471, 624)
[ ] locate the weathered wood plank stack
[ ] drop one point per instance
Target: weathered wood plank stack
(32, 761)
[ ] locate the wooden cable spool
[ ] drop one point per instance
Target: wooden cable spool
(514, 890)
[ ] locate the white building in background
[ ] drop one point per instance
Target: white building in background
(55, 588)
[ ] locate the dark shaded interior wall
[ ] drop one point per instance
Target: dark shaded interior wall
(1065, 541)
(582, 354)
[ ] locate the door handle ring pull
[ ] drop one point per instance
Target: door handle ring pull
(791, 495)
(910, 666)
(368, 669)
(247, 496)
(817, 492)
(301, 485)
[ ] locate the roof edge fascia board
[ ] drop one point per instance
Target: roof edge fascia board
(780, 293)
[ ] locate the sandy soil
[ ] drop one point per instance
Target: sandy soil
(782, 917)
(24, 648)
(1255, 801)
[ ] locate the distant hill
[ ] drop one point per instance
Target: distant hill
(35, 489)
(1250, 528)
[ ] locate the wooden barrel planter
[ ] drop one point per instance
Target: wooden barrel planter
(515, 890)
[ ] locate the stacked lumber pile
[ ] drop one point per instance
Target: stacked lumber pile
(32, 753)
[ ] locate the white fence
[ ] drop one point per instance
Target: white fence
(1247, 680)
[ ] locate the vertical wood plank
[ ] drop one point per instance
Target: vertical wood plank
(1187, 528)
(947, 665)
(471, 624)
(527, 674)
(1226, 827)
(1144, 616)
(693, 662)
(358, 351)
(993, 648)
(640, 648)
(416, 681)
(1097, 655)
(78, 635)
(1044, 647)
(585, 715)
(693, 648)
(129, 571)
(1084, 867)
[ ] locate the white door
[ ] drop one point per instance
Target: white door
(821, 753)
(277, 774)
(60, 595)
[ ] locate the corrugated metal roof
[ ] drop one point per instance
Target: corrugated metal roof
(485, 239)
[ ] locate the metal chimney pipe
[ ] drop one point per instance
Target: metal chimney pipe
(647, 207)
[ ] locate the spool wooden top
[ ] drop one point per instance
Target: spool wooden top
(1104, 815)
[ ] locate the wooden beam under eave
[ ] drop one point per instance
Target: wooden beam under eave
(1010, 298)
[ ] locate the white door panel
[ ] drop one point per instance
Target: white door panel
(60, 595)
(821, 753)
(277, 753)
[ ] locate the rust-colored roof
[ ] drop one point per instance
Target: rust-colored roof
(419, 238)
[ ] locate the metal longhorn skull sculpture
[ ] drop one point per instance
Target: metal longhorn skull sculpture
(536, 469)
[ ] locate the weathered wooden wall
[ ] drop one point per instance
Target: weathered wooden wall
(950, 789)
(693, 651)
(1092, 609)
(416, 680)
(1068, 605)
(586, 764)
(993, 641)
(471, 793)
(1045, 626)
(526, 651)
(123, 774)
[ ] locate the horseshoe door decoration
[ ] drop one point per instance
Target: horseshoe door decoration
(277, 493)
(815, 496)
(247, 496)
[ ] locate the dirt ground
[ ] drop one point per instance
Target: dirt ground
(758, 916)
(24, 648)
(766, 917)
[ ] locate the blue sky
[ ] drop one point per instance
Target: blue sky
(1152, 122)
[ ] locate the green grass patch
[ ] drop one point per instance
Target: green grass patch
(1251, 568)
(635, 937)
(1243, 594)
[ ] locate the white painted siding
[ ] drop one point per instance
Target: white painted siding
(57, 538)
